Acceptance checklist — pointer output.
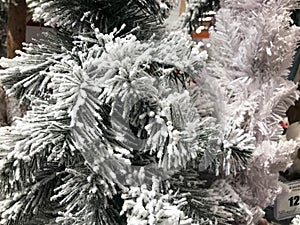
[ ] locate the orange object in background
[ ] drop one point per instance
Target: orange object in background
(201, 35)
(203, 29)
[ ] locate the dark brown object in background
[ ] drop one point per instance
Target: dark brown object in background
(16, 26)
(16, 33)
(293, 113)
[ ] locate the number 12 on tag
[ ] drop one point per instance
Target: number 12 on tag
(287, 205)
(294, 200)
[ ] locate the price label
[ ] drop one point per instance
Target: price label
(287, 205)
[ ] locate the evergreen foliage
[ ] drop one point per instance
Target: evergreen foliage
(80, 15)
(252, 67)
(123, 130)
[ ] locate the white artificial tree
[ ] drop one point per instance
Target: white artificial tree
(257, 48)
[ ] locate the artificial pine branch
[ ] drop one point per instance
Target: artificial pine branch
(31, 66)
(83, 88)
(251, 67)
(78, 16)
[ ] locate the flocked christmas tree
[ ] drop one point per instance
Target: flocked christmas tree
(126, 128)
